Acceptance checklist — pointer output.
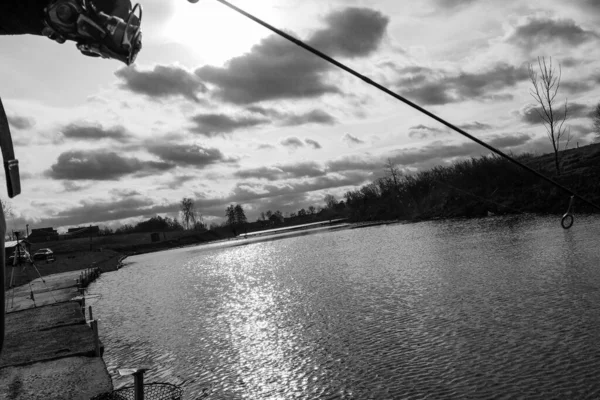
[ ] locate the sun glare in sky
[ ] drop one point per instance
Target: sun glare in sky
(215, 32)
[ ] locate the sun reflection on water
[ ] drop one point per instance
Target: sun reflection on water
(457, 309)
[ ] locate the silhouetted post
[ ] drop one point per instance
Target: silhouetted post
(138, 384)
(94, 324)
(91, 315)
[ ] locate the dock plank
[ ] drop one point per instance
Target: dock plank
(28, 347)
(67, 379)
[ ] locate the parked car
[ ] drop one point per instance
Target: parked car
(44, 255)
(23, 257)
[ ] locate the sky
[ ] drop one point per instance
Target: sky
(218, 109)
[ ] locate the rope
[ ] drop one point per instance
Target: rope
(401, 98)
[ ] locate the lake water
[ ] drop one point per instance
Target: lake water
(502, 307)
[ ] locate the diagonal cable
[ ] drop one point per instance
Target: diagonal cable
(384, 89)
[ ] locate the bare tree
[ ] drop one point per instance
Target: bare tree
(393, 171)
(330, 201)
(188, 212)
(545, 89)
(596, 119)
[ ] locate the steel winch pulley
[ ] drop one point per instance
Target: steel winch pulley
(96, 33)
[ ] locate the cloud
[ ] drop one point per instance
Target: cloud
(245, 192)
(164, 81)
(217, 124)
(436, 87)
(474, 126)
(530, 113)
(20, 122)
(106, 210)
(179, 181)
(307, 169)
(351, 140)
(453, 4)
(292, 142)
(100, 165)
(574, 87)
(314, 116)
(291, 119)
(352, 32)
(312, 143)
(537, 31)
(88, 131)
(435, 152)
(70, 186)
(188, 155)
(422, 131)
(276, 69)
(354, 163)
(510, 140)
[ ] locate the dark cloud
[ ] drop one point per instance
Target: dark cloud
(273, 69)
(354, 163)
(436, 87)
(292, 142)
(100, 165)
(509, 140)
(276, 69)
(88, 131)
(161, 82)
(591, 5)
(311, 117)
(352, 32)
(348, 138)
(188, 155)
(475, 126)
(290, 119)
(537, 31)
(70, 186)
(179, 181)
(20, 122)
(90, 211)
(308, 169)
(423, 131)
(530, 113)
(435, 152)
(267, 112)
(454, 4)
(265, 146)
(584, 84)
(217, 124)
(312, 143)
(124, 192)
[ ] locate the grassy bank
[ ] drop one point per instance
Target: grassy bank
(106, 260)
(478, 186)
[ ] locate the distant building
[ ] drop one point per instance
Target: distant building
(82, 231)
(42, 235)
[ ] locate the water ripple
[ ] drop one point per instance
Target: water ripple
(491, 308)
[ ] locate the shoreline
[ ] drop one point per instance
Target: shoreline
(241, 240)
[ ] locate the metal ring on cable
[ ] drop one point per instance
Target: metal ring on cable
(567, 217)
